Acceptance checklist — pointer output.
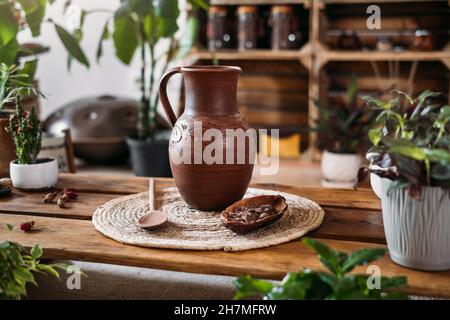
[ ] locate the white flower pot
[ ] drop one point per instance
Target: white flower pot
(379, 185)
(38, 176)
(340, 167)
(417, 231)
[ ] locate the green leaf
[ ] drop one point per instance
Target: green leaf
(34, 14)
(397, 185)
(405, 148)
(376, 103)
(49, 269)
(10, 226)
(104, 36)
(199, 4)
(29, 69)
(125, 37)
(425, 95)
(403, 94)
(329, 258)
(71, 44)
(167, 13)
(394, 282)
(375, 136)
(24, 274)
(36, 251)
(361, 257)
(437, 155)
(8, 24)
(249, 286)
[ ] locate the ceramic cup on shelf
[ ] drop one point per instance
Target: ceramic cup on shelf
(39, 176)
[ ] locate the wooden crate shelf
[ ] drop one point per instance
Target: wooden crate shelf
(305, 3)
(374, 1)
(317, 81)
(250, 55)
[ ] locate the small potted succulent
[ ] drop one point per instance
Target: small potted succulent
(342, 129)
(415, 157)
(28, 172)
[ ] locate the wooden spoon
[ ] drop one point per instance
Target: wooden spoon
(153, 219)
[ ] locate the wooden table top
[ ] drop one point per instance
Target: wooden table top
(352, 221)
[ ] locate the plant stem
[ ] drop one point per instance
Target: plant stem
(144, 107)
(165, 67)
(152, 111)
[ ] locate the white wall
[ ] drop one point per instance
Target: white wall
(109, 77)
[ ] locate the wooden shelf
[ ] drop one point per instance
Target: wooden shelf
(374, 2)
(249, 55)
(334, 55)
(259, 2)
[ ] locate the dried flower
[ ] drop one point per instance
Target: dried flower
(62, 202)
(5, 183)
(27, 226)
(71, 194)
(50, 197)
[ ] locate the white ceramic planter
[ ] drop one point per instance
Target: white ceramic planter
(41, 175)
(379, 185)
(417, 231)
(340, 167)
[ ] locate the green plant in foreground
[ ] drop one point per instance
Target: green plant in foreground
(26, 131)
(337, 284)
(412, 145)
(17, 268)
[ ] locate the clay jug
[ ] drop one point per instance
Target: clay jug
(211, 102)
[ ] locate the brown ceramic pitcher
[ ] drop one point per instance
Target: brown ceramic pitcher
(211, 101)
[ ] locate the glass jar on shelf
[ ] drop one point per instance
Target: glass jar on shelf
(247, 27)
(219, 28)
(284, 28)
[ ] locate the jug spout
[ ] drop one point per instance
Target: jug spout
(211, 90)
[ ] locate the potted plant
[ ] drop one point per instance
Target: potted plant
(28, 172)
(336, 284)
(12, 83)
(416, 158)
(342, 129)
(21, 61)
(139, 26)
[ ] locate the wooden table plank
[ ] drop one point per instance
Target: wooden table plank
(78, 240)
(362, 199)
(340, 223)
(33, 203)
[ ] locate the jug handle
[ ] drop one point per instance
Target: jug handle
(163, 94)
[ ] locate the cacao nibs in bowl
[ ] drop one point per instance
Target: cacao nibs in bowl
(249, 214)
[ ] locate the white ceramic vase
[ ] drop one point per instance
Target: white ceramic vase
(340, 167)
(417, 231)
(380, 186)
(38, 176)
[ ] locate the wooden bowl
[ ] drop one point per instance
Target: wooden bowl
(249, 214)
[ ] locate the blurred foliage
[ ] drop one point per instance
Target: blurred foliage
(137, 27)
(412, 142)
(342, 128)
(337, 284)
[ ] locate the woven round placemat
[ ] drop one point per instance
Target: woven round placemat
(192, 229)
